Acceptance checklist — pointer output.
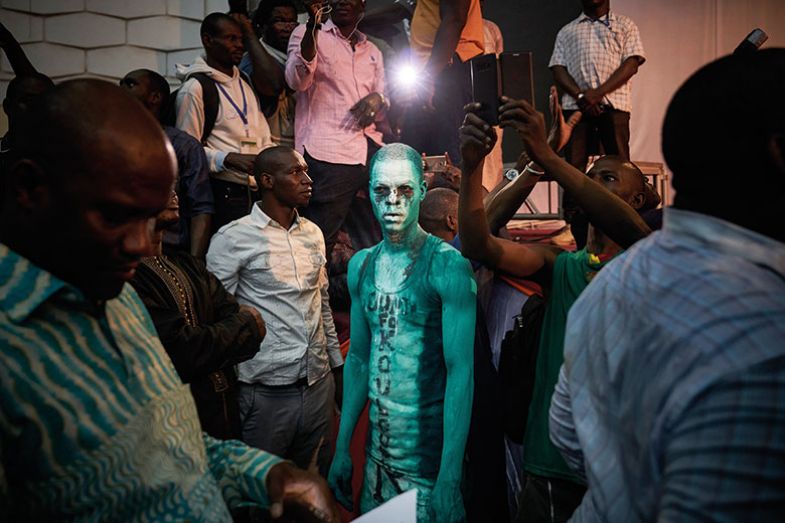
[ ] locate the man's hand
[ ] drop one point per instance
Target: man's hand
(340, 479)
(298, 495)
(315, 10)
(240, 162)
(446, 503)
(529, 124)
(561, 130)
(592, 97)
(257, 317)
(245, 24)
(477, 138)
(367, 108)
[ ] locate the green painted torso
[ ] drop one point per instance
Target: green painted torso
(406, 367)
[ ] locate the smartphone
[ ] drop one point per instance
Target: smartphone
(485, 87)
(434, 164)
(517, 76)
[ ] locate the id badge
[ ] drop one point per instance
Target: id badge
(249, 145)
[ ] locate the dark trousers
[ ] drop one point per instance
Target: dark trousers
(290, 421)
(485, 495)
(548, 500)
(608, 133)
(334, 189)
(232, 202)
(437, 132)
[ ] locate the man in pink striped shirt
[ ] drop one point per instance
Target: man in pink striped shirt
(338, 76)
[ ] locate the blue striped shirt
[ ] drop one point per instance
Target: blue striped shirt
(94, 422)
(671, 400)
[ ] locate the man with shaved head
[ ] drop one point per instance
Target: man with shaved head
(439, 213)
(95, 424)
(412, 332)
(274, 260)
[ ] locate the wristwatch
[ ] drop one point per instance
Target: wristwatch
(512, 174)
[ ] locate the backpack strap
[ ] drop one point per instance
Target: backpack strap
(210, 101)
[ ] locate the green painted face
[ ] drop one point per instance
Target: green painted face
(396, 193)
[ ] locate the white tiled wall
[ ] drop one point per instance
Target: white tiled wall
(104, 38)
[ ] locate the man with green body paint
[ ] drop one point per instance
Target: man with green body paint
(412, 333)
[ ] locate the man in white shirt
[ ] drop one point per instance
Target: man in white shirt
(239, 130)
(593, 60)
(274, 260)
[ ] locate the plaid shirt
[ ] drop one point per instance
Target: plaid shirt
(670, 400)
(592, 50)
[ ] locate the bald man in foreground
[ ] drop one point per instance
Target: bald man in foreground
(95, 424)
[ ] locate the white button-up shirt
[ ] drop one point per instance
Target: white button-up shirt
(283, 274)
(592, 50)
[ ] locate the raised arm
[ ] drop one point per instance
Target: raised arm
(355, 386)
(454, 281)
(267, 76)
(501, 204)
(20, 64)
(477, 139)
(453, 16)
(604, 209)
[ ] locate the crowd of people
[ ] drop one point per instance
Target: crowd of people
(244, 297)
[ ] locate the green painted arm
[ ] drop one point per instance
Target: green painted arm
(355, 388)
(453, 279)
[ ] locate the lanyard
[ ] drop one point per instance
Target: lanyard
(243, 114)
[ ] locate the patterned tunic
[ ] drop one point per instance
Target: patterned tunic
(95, 424)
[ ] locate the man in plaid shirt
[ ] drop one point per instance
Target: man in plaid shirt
(593, 60)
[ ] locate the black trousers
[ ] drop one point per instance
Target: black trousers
(608, 133)
(548, 500)
(334, 189)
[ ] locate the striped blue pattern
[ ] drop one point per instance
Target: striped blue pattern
(95, 424)
(671, 400)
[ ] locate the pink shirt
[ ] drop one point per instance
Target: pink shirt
(327, 87)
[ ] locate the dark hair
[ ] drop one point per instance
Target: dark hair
(265, 9)
(266, 157)
(211, 24)
(158, 83)
(715, 139)
(19, 84)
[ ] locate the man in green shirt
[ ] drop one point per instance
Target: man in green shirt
(610, 195)
(95, 424)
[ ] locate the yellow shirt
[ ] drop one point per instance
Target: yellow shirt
(425, 23)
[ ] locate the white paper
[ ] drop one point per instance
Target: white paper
(400, 509)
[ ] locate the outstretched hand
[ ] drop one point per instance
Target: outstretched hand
(340, 479)
(477, 138)
(300, 495)
(561, 130)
